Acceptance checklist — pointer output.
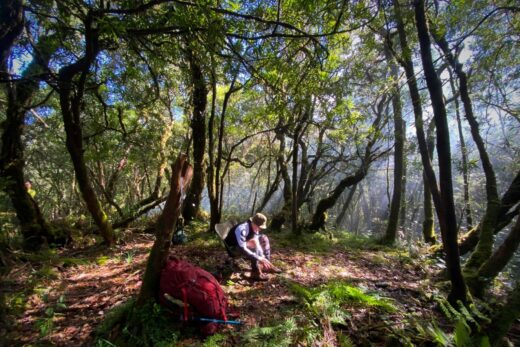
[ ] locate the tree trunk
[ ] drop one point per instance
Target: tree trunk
(341, 216)
(502, 255)
(35, 230)
(406, 62)
(181, 177)
(395, 205)
(428, 223)
(404, 199)
(449, 222)
(510, 198)
(488, 223)
(70, 103)
(281, 217)
(212, 180)
(464, 154)
(198, 127)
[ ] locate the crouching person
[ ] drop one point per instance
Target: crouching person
(245, 240)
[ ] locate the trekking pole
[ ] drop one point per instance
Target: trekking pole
(200, 319)
(220, 321)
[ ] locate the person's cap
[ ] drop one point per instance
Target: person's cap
(260, 220)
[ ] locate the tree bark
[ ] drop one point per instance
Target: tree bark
(395, 205)
(71, 100)
(449, 222)
(198, 127)
(35, 231)
(182, 173)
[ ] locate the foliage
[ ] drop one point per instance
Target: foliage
(332, 296)
(279, 335)
(467, 326)
(136, 328)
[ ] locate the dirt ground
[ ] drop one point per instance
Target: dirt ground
(75, 297)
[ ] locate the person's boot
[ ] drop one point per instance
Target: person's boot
(257, 275)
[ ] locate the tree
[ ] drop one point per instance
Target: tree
(20, 94)
(71, 98)
(485, 245)
(399, 130)
(198, 126)
(448, 221)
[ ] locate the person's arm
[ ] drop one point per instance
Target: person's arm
(241, 234)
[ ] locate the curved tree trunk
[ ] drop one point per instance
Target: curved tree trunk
(449, 222)
(198, 127)
(181, 177)
(35, 230)
(70, 102)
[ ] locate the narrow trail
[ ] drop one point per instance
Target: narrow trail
(78, 295)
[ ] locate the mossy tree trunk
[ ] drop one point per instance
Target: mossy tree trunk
(449, 220)
(35, 230)
(510, 198)
(71, 97)
(198, 128)
(182, 173)
(488, 223)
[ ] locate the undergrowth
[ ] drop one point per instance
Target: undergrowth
(127, 325)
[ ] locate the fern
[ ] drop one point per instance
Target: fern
(462, 334)
(279, 335)
(345, 341)
(466, 316)
(438, 335)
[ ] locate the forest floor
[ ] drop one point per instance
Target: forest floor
(60, 297)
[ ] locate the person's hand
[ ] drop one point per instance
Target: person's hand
(266, 264)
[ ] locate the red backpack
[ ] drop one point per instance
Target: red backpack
(199, 291)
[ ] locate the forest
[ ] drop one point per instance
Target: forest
(379, 138)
